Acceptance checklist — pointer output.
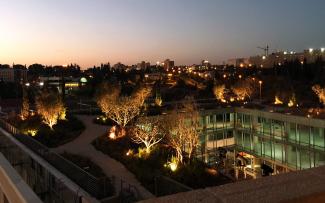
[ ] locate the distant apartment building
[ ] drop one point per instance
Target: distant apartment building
(279, 58)
(168, 64)
(143, 65)
(13, 75)
(205, 64)
(154, 76)
(238, 62)
(70, 83)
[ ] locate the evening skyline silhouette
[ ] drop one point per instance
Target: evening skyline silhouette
(92, 32)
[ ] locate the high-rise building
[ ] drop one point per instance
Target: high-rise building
(168, 64)
(143, 65)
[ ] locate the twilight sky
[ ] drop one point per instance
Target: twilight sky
(89, 32)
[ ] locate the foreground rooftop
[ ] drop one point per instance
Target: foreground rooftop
(300, 186)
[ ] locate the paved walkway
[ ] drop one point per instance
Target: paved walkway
(82, 146)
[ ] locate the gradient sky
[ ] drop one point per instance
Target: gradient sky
(90, 32)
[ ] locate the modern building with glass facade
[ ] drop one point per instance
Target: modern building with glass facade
(283, 142)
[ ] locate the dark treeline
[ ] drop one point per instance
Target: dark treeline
(308, 73)
(46, 71)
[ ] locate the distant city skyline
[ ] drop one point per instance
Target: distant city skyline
(187, 31)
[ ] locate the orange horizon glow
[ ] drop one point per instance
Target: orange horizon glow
(92, 32)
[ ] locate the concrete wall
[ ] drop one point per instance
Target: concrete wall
(301, 186)
(12, 186)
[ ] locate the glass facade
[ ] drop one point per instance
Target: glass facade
(287, 141)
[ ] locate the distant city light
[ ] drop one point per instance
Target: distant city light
(285, 53)
(41, 83)
(322, 50)
(264, 57)
(27, 84)
(311, 50)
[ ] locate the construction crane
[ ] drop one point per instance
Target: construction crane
(266, 50)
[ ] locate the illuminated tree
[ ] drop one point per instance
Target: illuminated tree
(63, 114)
(141, 95)
(219, 92)
(121, 109)
(24, 113)
(183, 130)
(147, 132)
(320, 93)
(292, 101)
(243, 89)
(49, 106)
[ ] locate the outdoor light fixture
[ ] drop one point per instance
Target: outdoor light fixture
(83, 80)
(173, 166)
(129, 152)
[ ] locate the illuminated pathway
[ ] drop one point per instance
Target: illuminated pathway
(82, 146)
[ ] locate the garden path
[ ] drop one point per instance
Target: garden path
(82, 146)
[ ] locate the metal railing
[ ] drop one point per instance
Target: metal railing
(97, 187)
(128, 192)
(167, 186)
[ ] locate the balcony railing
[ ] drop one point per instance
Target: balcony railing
(97, 187)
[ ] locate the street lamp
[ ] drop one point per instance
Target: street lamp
(260, 83)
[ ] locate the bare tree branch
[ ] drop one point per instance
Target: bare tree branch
(121, 109)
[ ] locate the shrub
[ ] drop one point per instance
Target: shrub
(63, 132)
(147, 168)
